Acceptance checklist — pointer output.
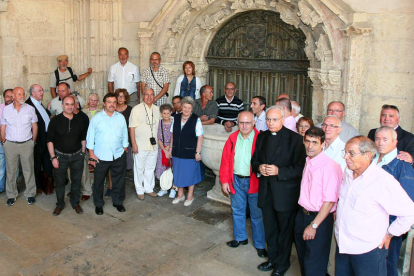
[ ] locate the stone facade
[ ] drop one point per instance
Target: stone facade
(359, 52)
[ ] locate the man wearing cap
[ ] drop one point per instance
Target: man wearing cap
(65, 74)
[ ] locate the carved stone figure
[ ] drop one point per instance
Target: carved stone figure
(170, 49)
(181, 23)
(323, 50)
(210, 21)
(287, 14)
(200, 4)
(308, 15)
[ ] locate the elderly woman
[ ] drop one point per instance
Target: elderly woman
(186, 141)
(188, 84)
(303, 124)
(93, 105)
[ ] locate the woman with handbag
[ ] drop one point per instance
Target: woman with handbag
(187, 140)
(164, 139)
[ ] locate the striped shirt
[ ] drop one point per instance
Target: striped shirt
(162, 76)
(19, 124)
(228, 111)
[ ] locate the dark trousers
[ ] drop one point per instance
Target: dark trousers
(393, 256)
(117, 168)
(372, 263)
(75, 164)
(41, 160)
(279, 234)
(313, 254)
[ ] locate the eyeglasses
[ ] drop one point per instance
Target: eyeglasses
(121, 96)
(274, 120)
(351, 154)
(245, 123)
(335, 110)
(230, 88)
(330, 126)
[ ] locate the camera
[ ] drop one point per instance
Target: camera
(152, 140)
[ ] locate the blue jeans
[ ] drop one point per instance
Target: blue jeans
(238, 205)
(393, 256)
(2, 168)
(372, 263)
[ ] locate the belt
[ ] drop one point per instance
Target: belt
(19, 142)
(309, 213)
(68, 154)
(241, 176)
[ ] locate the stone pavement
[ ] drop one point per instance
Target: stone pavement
(153, 237)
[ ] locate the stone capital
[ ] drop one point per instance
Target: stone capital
(357, 28)
(144, 30)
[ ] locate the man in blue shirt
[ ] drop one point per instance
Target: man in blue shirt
(107, 141)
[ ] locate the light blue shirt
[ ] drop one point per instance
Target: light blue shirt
(107, 136)
(42, 111)
(386, 158)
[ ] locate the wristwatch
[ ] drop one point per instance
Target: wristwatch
(199, 153)
(54, 157)
(314, 225)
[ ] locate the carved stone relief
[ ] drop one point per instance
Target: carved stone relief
(247, 4)
(287, 14)
(210, 21)
(323, 51)
(200, 4)
(181, 23)
(196, 45)
(308, 15)
(170, 50)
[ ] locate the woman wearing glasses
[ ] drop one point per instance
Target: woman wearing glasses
(303, 124)
(188, 84)
(186, 141)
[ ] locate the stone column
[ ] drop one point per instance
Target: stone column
(318, 110)
(146, 44)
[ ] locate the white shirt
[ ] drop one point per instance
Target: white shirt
(42, 111)
(261, 121)
(125, 76)
(56, 105)
(334, 151)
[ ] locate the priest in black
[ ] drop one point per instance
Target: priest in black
(278, 160)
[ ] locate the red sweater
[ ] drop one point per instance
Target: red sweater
(227, 164)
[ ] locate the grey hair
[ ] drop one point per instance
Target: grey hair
(334, 116)
(295, 106)
(188, 100)
(75, 98)
(390, 129)
(365, 145)
(31, 89)
(343, 106)
(278, 107)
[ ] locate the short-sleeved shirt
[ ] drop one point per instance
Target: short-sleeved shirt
(19, 124)
(211, 109)
(162, 76)
(67, 134)
(63, 77)
(145, 120)
(125, 76)
(56, 105)
(199, 127)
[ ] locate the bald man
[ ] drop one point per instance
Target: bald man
(284, 95)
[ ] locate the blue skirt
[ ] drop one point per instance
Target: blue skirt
(186, 172)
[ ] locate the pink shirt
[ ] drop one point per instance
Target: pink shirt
(365, 203)
(321, 181)
(290, 123)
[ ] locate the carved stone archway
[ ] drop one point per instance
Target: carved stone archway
(184, 29)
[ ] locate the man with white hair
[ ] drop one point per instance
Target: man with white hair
(289, 121)
(386, 145)
(334, 146)
(296, 110)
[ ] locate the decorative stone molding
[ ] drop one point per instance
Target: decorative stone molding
(210, 21)
(287, 14)
(196, 45)
(357, 28)
(170, 50)
(200, 4)
(310, 47)
(181, 23)
(247, 4)
(308, 15)
(323, 50)
(4, 5)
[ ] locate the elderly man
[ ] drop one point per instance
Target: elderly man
(337, 108)
(390, 117)
(296, 110)
(258, 107)
(205, 107)
(386, 145)
(237, 178)
(56, 103)
(143, 124)
(108, 152)
(321, 180)
(157, 78)
(125, 74)
(8, 99)
(41, 154)
(279, 158)
(66, 142)
(334, 146)
(177, 107)
(289, 121)
(367, 197)
(18, 136)
(229, 107)
(65, 74)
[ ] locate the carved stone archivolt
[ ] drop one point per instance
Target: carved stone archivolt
(308, 15)
(211, 21)
(200, 4)
(181, 23)
(196, 45)
(247, 4)
(323, 50)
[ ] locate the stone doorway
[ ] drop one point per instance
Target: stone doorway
(263, 56)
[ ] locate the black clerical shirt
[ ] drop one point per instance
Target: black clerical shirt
(66, 135)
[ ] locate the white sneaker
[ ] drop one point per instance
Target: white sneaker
(162, 192)
(172, 193)
(178, 200)
(188, 202)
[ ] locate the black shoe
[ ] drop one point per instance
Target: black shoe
(277, 273)
(262, 253)
(31, 200)
(11, 201)
(120, 208)
(266, 266)
(235, 243)
(99, 211)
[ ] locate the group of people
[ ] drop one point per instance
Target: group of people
(344, 199)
